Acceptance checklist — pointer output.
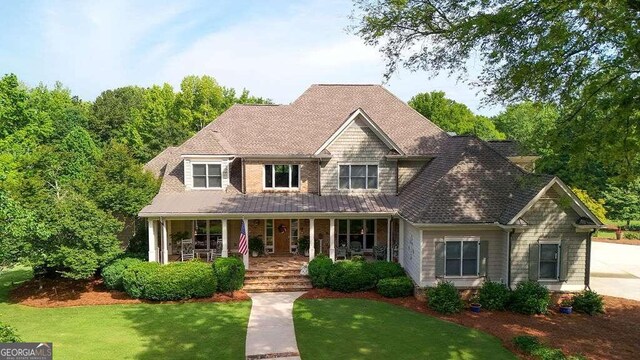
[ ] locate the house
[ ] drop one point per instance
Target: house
(353, 166)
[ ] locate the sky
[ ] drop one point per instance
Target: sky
(273, 48)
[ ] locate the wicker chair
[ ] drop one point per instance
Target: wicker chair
(187, 251)
(380, 252)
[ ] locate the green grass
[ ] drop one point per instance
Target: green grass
(363, 329)
(141, 331)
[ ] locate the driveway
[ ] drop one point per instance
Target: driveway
(615, 270)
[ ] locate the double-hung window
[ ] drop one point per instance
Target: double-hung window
(549, 264)
(358, 176)
(207, 175)
(281, 176)
(461, 257)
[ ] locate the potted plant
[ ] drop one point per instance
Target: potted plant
(475, 305)
(303, 245)
(566, 306)
(176, 239)
(618, 233)
(256, 246)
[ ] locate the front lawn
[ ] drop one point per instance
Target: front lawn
(200, 330)
(364, 329)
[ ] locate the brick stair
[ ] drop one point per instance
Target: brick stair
(275, 280)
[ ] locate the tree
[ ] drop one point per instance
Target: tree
(453, 116)
(595, 206)
(531, 124)
(112, 110)
(623, 202)
(580, 55)
(200, 101)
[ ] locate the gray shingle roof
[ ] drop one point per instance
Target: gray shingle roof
(219, 202)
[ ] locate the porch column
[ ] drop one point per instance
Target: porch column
(401, 242)
(225, 240)
(245, 257)
(389, 239)
(332, 239)
(152, 240)
(312, 243)
(165, 247)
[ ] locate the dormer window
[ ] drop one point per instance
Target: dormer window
(358, 176)
(281, 176)
(207, 176)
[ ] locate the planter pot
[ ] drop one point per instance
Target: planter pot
(475, 308)
(254, 253)
(566, 309)
(618, 235)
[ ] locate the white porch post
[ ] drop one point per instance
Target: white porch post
(389, 239)
(332, 239)
(312, 243)
(401, 242)
(245, 257)
(225, 240)
(152, 240)
(164, 239)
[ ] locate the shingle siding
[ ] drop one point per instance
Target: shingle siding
(407, 170)
(495, 259)
(358, 144)
(549, 221)
(412, 252)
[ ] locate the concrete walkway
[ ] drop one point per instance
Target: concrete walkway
(615, 270)
(270, 333)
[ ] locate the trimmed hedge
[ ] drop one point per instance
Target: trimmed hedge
(494, 296)
(394, 287)
(8, 334)
(530, 297)
(385, 269)
(444, 298)
(350, 276)
(588, 302)
(319, 269)
(229, 272)
(175, 281)
(112, 273)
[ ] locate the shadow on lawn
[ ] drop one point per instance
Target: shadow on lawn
(191, 330)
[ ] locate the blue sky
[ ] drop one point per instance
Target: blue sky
(274, 48)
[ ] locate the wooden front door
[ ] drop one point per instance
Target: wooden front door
(281, 238)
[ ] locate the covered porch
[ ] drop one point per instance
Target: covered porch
(337, 237)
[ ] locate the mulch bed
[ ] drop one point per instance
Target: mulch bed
(614, 335)
(621, 241)
(64, 292)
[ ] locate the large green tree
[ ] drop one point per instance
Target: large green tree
(531, 124)
(623, 201)
(453, 116)
(583, 56)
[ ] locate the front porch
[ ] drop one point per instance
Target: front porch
(219, 237)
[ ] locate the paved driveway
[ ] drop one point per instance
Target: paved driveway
(615, 270)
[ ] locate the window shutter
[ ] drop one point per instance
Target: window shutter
(484, 255)
(534, 261)
(440, 258)
(564, 260)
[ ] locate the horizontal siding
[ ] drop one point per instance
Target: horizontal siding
(495, 258)
(358, 144)
(549, 221)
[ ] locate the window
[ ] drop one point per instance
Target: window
(295, 234)
(207, 175)
(281, 176)
(549, 261)
(362, 231)
(207, 234)
(358, 177)
(461, 257)
(269, 235)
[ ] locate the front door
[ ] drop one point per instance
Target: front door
(282, 231)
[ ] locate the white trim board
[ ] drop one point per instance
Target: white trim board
(372, 125)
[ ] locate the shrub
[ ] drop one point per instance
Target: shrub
(530, 345)
(494, 295)
(8, 334)
(527, 344)
(530, 298)
(385, 269)
(349, 276)
(229, 272)
(444, 298)
(174, 281)
(112, 273)
(319, 269)
(358, 258)
(256, 245)
(588, 302)
(395, 287)
(632, 235)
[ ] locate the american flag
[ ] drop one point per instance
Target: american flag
(243, 247)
